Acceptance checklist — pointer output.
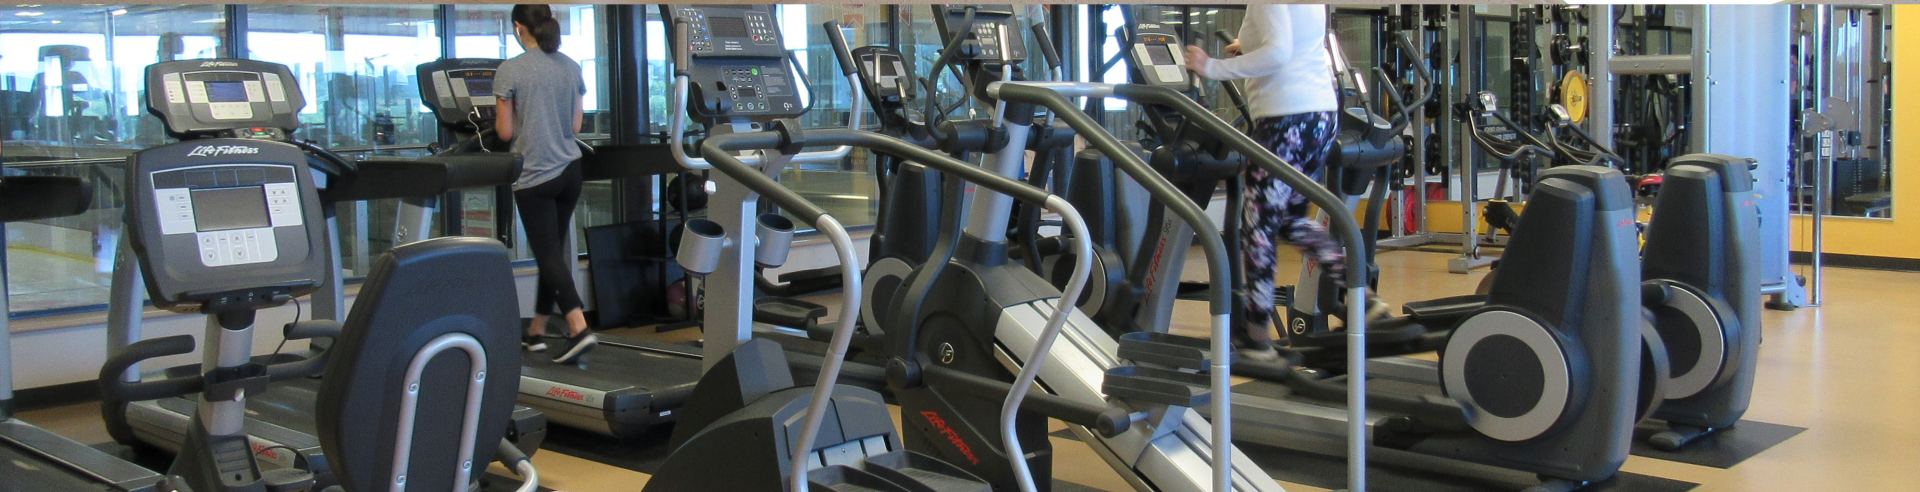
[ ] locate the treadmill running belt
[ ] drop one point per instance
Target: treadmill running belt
(28, 472)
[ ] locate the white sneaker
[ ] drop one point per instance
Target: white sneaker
(1268, 354)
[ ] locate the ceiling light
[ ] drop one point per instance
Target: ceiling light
(56, 21)
(209, 21)
(29, 14)
(119, 12)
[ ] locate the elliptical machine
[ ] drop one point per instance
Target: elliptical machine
(747, 400)
(1541, 375)
(1700, 280)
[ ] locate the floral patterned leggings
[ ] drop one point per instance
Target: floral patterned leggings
(1276, 211)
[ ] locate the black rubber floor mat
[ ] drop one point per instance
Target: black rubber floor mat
(643, 454)
(1331, 472)
(1720, 449)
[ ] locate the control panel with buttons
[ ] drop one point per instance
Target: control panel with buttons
(213, 216)
(1157, 56)
(460, 92)
(231, 210)
(740, 66)
(199, 98)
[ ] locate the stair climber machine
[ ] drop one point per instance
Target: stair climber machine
(44, 460)
(910, 193)
(259, 102)
(964, 321)
(1364, 155)
(1542, 375)
(729, 68)
(1699, 277)
(1140, 297)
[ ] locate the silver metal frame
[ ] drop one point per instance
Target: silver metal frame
(410, 405)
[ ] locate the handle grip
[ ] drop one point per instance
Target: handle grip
(682, 37)
(113, 388)
(841, 50)
(312, 365)
(1223, 37)
(1045, 41)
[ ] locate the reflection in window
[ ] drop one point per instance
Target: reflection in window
(356, 66)
(71, 104)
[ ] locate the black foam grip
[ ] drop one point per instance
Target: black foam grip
(311, 329)
(840, 48)
(1041, 38)
(114, 388)
(682, 38)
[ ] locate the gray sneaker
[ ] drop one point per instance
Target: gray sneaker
(1263, 354)
(577, 346)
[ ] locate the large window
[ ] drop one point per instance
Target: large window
(72, 82)
(71, 90)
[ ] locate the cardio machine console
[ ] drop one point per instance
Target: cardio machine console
(984, 43)
(1156, 56)
(459, 91)
(225, 98)
(739, 63)
(225, 221)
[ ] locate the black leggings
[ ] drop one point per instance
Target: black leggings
(546, 210)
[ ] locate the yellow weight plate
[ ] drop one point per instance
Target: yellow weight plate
(1573, 95)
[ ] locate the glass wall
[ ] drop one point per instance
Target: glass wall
(71, 104)
(72, 86)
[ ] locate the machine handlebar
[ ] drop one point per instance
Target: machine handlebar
(840, 48)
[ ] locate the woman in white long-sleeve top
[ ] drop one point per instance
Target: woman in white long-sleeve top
(1282, 56)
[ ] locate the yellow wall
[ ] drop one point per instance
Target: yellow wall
(1898, 237)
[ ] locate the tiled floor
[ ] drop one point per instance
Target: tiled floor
(1845, 371)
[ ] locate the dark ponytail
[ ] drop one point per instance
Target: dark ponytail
(539, 21)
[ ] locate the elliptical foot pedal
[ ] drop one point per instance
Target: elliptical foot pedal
(790, 313)
(1677, 436)
(1167, 387)
(844, 478)
(1555, 484)
(1167, 349)
(918, 472)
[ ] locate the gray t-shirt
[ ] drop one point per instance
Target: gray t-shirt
(544, 88)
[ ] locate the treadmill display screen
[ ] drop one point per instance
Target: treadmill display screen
(226, 92)
(219, 209)
(749, 92)
(479, 87)
(1160, 54)
(728, 27)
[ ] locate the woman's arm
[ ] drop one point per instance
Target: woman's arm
(503, 119)
(1269, 58)
(579, 112)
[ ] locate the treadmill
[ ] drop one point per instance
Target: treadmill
(628, 385)
(259, 100)
(44, 460)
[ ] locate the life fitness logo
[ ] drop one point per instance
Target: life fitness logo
(1159, 254)
(218, 150)
(564, 393)
(940, 424)
(218, 64)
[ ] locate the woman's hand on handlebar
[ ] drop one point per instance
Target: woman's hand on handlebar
(1232, 49)
(1197, 59)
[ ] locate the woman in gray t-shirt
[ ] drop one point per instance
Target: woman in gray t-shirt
(540, 113)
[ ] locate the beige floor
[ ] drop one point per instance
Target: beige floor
(1850, 378)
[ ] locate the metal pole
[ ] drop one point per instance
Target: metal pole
(1600, 66)
(1824, 174)
(1702, 81)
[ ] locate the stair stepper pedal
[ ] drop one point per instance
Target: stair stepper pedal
(1147, 384)
(1165, 349)
(844, 478)
(790, 313)
(904, 471)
